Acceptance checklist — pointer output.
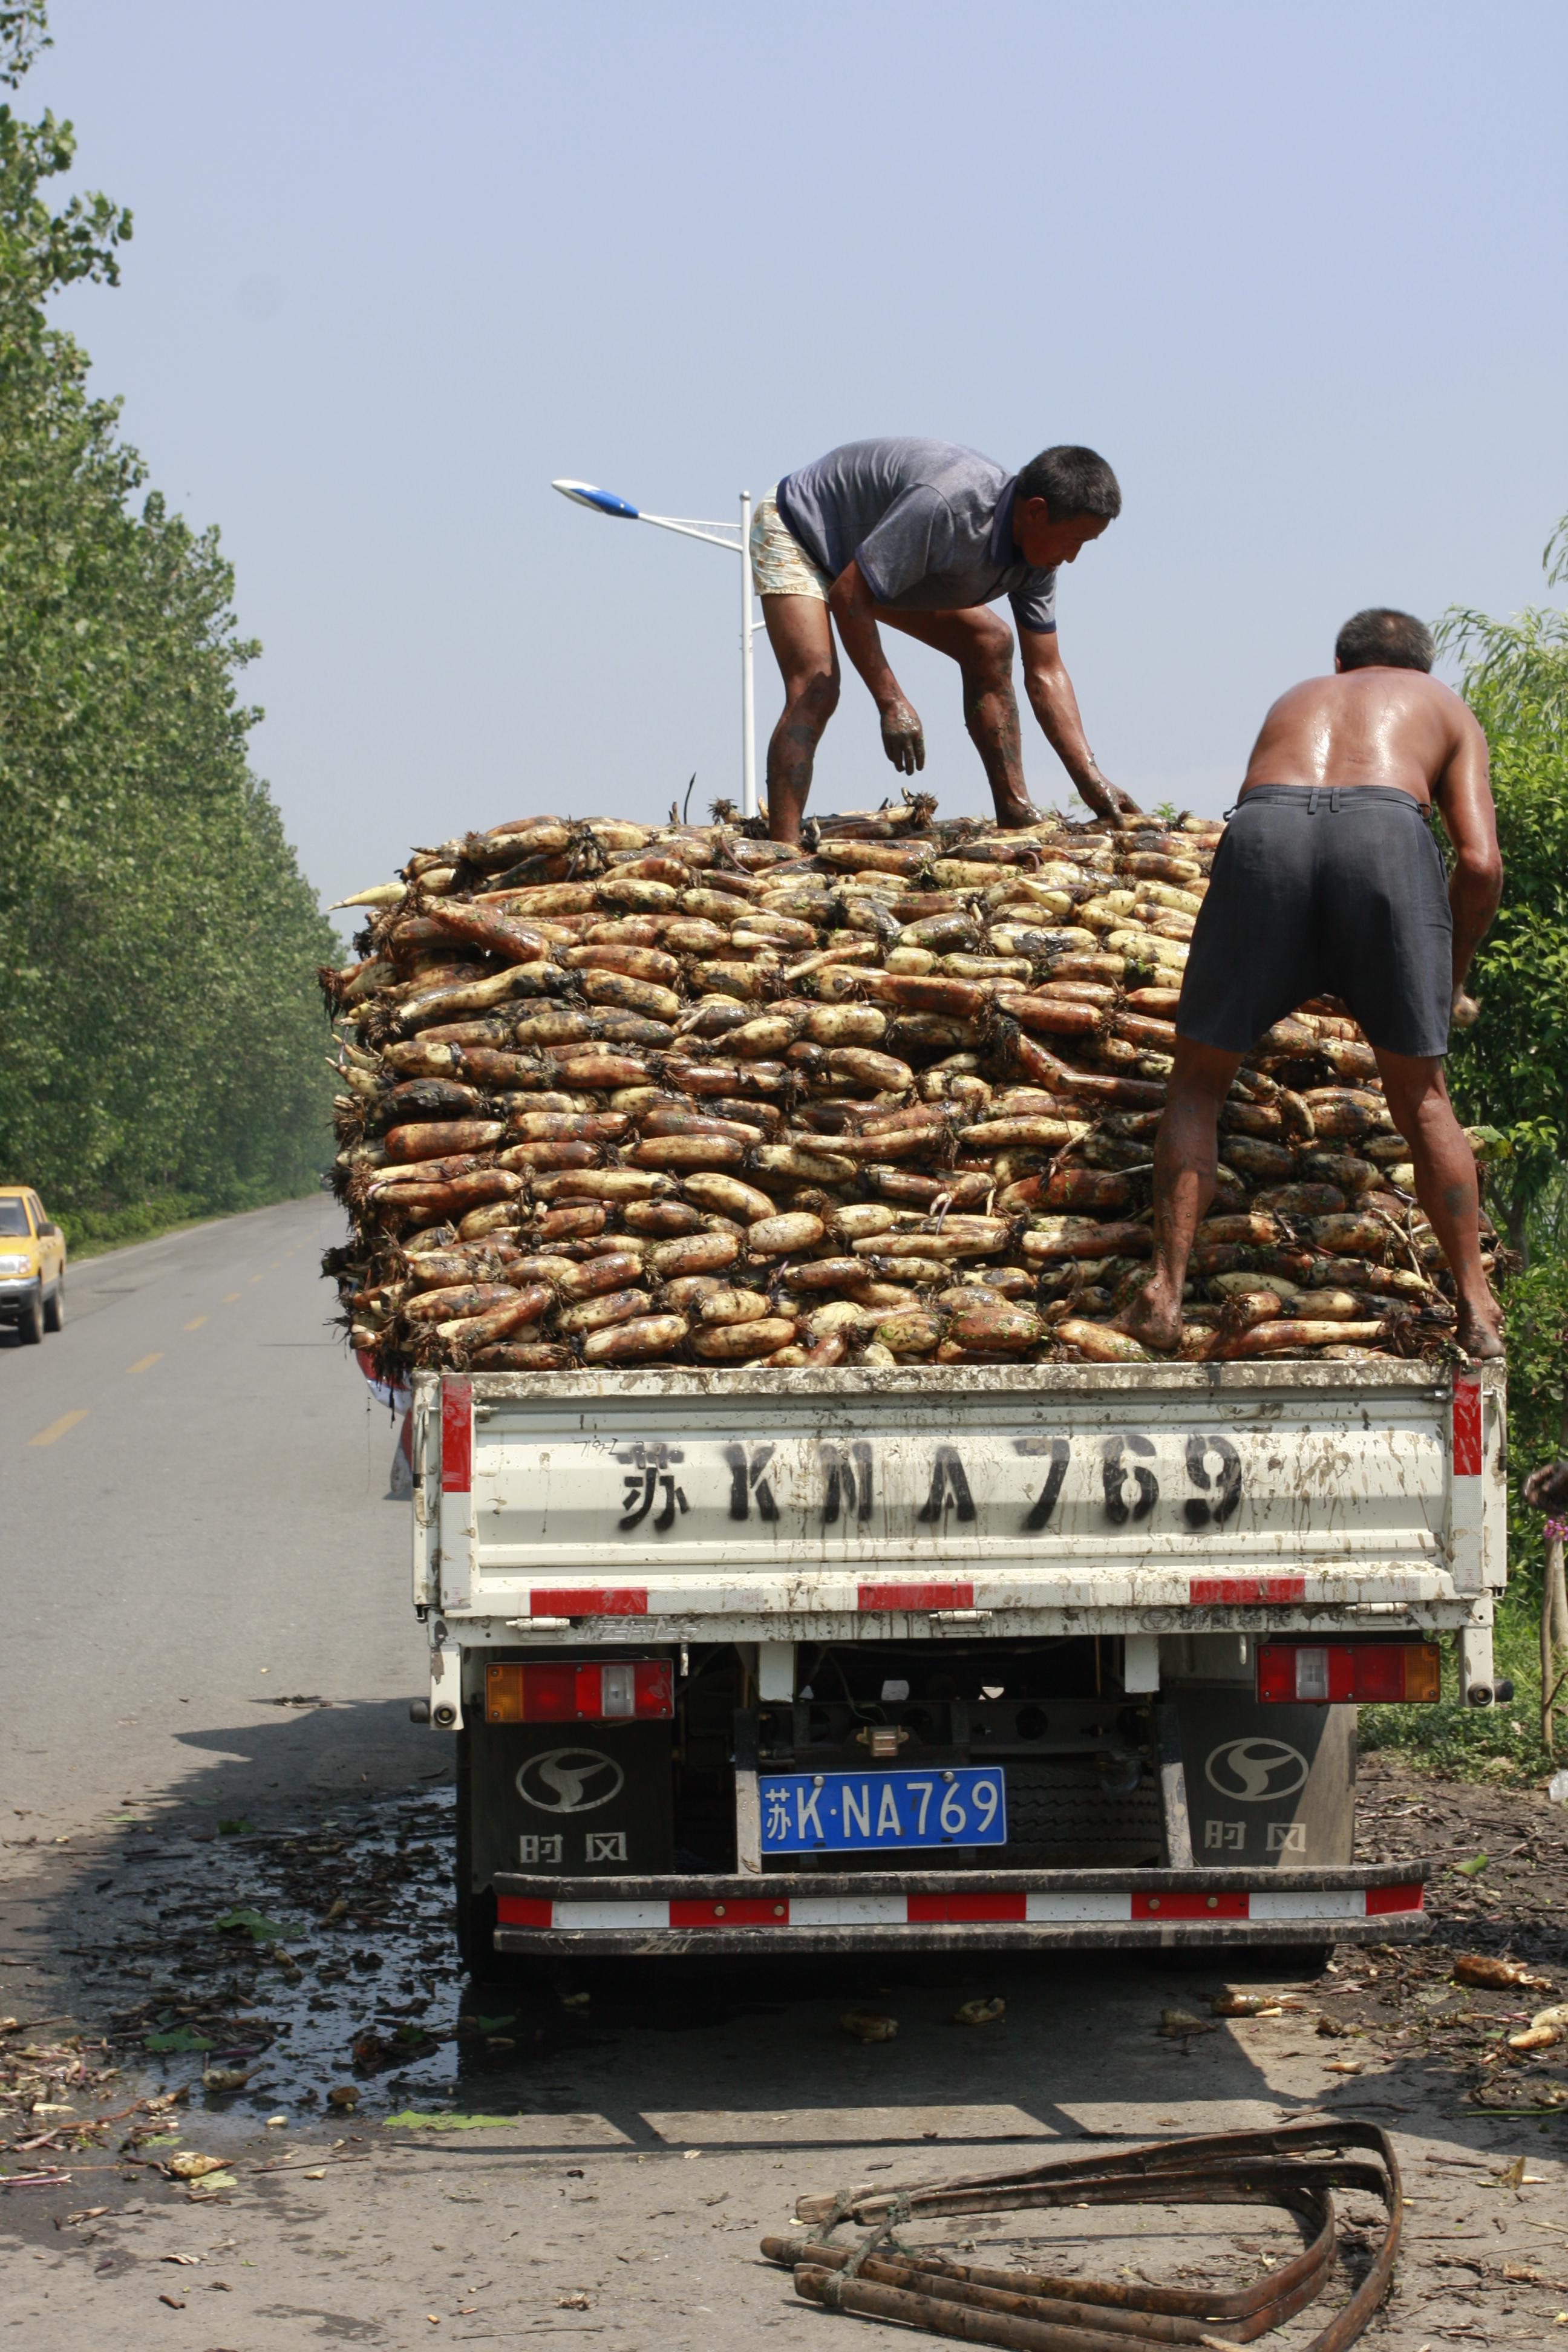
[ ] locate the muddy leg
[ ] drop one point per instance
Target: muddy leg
(990, 715)
(981, 645)
(801, 634)
(1185, 1151)
(1444, 1185)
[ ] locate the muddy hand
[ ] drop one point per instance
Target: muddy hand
(903, 738)
(1107, 799)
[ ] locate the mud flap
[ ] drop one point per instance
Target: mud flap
(1267, 1787)
(1177, 1820)
(586, 1800)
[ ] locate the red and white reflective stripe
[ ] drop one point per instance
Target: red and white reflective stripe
(1239, 1591)
(787, 1599)
(914, 1596)
(456, 1437)
(1114, 1907)
(456, 1493)
(589, 1600)
(1467, 1425)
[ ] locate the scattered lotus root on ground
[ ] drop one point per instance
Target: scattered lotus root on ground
(622, 1094)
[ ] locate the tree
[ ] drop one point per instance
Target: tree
(1511, 1069)
(157, 941)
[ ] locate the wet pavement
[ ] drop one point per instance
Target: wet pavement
(249, 2101)
(596, 2148)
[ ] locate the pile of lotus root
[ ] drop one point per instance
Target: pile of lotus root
(616, 1094)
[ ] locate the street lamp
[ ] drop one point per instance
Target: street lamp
(716, 534)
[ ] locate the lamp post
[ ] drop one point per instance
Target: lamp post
(716, 534)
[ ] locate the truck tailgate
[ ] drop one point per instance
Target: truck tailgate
(1151, 1495)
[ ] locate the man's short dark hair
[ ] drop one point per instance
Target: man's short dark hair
(1072, 482)
(1381, 638)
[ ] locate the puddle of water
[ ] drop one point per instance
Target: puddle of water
(336, 1965)
(336, 1962)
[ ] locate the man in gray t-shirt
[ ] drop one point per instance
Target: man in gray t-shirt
(925, 535)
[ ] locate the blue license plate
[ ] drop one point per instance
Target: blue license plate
(848, 1812)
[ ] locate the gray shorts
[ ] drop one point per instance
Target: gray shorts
(1323, 892)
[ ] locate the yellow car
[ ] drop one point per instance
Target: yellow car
(32, 1265)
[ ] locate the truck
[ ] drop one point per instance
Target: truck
(943, 1658)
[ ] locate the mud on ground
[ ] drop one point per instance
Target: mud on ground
(279, 2003)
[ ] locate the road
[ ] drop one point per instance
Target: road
(196, 1527)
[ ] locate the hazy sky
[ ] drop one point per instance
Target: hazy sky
(1297, 271)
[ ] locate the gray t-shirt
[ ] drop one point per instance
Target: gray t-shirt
(929, 523)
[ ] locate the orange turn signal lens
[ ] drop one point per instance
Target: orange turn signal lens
(618, 1690)
(1423, 1671)
(1358, 1673)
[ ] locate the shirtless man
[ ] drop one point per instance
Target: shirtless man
(1328, 882)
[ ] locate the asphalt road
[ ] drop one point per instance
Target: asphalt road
(197, 1526)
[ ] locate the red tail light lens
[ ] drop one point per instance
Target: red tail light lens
(1363, 1674)
(622, 1690)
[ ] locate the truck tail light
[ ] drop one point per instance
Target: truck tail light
(1362, 1673)
(625, 1690)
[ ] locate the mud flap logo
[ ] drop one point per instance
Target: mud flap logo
(569, 1781)
(1255, 1771)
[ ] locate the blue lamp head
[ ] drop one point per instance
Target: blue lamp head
(584, 494)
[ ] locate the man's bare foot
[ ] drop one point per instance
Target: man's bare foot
(1476, 1332)
(1154, 1317)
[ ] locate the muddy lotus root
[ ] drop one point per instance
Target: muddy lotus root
(620, 1094)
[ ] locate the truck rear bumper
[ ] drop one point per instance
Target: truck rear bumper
(816, 1912)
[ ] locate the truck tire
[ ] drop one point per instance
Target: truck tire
(1060, 1818)
(55, 1308)
(30, 1322)
(474, 1915)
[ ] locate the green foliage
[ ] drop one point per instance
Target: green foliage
(89, 1232)
(1512, 1067)
(1516, 672)
(1504, 1742)
(158, 944)
(254, 1924)
(22, 35)
(1478, 1743)
(1511, 1070)
(1536, 1306)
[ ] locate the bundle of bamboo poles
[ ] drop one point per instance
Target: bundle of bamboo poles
(617, 1094)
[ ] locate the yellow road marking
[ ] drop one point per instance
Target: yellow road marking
(145, 1363)
(197, 1320)
(230, 1298)
(58, 1428)
(255, 1277)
